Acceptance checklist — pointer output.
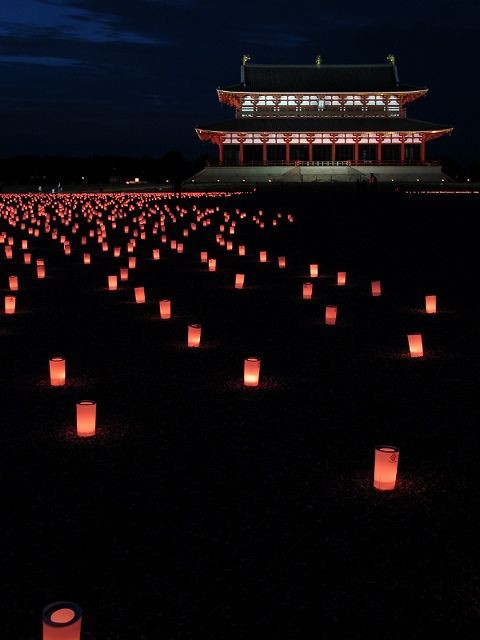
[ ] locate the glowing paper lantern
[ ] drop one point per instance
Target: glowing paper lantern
(13, 283)
(123, 274)
(86, 418)
(307, 290)
(263, 256)
(239, 280)
(10, 304)
(386, 466)
(251, 372)
(40, 271)
(430, 304)
(415, 344)
(112, 283)
(241, 250)
(194, 335)
(376, 288)
(165, 309)
(62, 621)
(139, 295)
(204, 256)
(330, 315)
(156, 254)
(314, 270)
(27, 258)
(282, 262)
(341, 278)
(212, 264)
(86, 258)
(132, 262)
(57, 371)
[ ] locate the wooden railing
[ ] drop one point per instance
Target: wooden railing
(323, 163)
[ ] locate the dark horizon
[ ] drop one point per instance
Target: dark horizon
(99, 77)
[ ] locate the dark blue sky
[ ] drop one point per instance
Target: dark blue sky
(109, 76)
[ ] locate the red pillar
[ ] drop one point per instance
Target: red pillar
(220, 151)
(264, 148)
(402, 149)
(422, 150)
(356, 157)
(333, 140)
(241, 140)
(287, 149)
(310, 147)
(379, 149)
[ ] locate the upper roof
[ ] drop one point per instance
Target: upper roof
(323, 124)
(262, 78)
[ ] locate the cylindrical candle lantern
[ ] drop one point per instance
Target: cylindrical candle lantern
(40, 271)
(415, 344)
(282, 261)
(330, 315)
(156, 254)
(165, 309)
(139, 295)
(123, 274)
(10, 304)
(376, 288)
(86, 418)
(86, 258)
(132, 262)
(314, 270)
(386, 465)
(307, 290)
(241, 250)
(212, 264)
(194, 335)
(62, 621)
(13, 283)
(57, 371)
(251, 372)
(263, 256)
(27, 258)
(341, 278)
(430, 304)
(239, 280)
(112, 283)
(204, 256)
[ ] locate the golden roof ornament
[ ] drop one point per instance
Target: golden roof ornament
(246, 58)
(391, 58)
(318, 60)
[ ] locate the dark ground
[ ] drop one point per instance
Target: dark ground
(206, 510)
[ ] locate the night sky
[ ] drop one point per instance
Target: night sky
(83, 77)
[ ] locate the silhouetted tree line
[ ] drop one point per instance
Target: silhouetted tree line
(95, 170)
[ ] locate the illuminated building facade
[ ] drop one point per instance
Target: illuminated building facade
(321, 116)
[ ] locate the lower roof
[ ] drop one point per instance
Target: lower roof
(290, 125)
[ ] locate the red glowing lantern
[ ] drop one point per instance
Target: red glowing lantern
(86, 258)
(194, 335)
(112, 283)
(165, 309)
(139, 295)
(431, 304)
(13, 283)
(341, 278)
(239, 280)
(156, 254)
(40, 271)
(314, 270)
(263, 256)
(123, 274)
(386, 466)
(10, 304)
(241, 250)
(27, 258)
(204, 256)
(57, 371)
(330, 315)
(307, 290)
(376, 288)
(415, 344)
(62, 621)
(282, 262)
(86, 418)
(132, 262)
(251, 372)
(212, 264)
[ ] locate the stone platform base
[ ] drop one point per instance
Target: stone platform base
(216, 176)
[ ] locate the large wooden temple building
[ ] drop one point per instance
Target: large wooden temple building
(320, 122)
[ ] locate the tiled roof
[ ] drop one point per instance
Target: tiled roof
(319, 78)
